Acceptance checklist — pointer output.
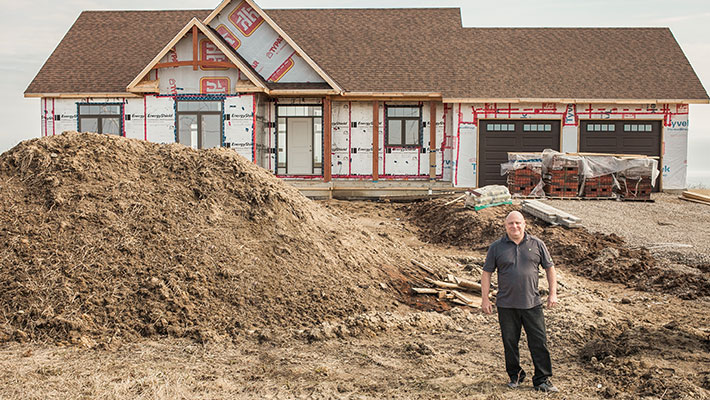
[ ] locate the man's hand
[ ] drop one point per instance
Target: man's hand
(551, 300)
(486, 305)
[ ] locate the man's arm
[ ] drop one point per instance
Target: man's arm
(486, 305)
(552, 284)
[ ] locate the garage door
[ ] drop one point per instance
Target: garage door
(621, 137)
(498, 137)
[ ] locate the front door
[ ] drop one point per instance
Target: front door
(299, 146)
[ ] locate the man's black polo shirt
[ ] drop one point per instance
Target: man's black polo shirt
(517, 267)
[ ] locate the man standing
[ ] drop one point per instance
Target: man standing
(517, 256)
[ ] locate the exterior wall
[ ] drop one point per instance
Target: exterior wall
(674, 136)
(249, 127)
(352, 144)
(239, 130)
(152, 118)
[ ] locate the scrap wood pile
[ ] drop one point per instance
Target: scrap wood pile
(451, 288)
(584, 175)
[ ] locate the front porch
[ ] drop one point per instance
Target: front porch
(366, 189)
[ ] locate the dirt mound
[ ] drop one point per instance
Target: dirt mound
(106, 237)
(621, 359)
(594, 255)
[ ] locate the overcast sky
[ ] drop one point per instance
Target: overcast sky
(32, 29)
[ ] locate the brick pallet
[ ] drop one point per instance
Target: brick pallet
(635, 188)
(563, 182)
(602, 186)
(523, 181)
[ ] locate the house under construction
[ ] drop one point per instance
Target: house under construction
(370, 100)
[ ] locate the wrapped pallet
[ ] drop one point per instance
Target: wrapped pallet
(488, 196)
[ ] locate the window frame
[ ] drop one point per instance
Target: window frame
(101, 117)
(403, 142)
(199, 115)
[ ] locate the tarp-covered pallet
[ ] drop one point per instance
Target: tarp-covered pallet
(580, 175)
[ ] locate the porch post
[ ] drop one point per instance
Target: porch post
(327, 146)
(432, 141)
(375, 139)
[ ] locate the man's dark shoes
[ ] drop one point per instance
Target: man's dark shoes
(514, 383)
(546, 387)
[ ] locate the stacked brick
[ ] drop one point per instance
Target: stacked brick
(522, 181)
(602, 186)
(562, 179)
(635, 188)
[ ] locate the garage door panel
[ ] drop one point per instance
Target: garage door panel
(522, 136)
(628, 137)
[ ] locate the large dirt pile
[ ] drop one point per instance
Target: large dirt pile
(594, 255)
(104, 236)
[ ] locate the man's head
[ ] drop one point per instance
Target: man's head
(515, 226)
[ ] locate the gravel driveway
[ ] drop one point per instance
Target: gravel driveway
(673, 229)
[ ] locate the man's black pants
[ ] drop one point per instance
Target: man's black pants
(533, 320)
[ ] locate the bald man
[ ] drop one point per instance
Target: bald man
(517, 257)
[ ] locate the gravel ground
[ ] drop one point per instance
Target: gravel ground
(674, 230)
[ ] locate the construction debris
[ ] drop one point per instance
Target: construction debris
(695, 197)
(452, 288)
(550, 214)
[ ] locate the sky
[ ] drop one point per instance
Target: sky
(31, 30)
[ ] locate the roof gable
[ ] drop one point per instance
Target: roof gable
(192, 28)
(269, 50)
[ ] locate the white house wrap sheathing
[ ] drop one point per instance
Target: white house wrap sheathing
(261, 46)
(185, 80)
(239, 132)
(674, 119)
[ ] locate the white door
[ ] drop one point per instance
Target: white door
(299, 146)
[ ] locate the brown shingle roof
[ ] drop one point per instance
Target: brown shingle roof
(105, 50)
(402, 50)
(573, 63)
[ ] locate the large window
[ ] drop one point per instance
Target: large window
(403, 126)
(101, 118)
(199, 123)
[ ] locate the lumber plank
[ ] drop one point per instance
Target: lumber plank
(445, 285)
(425, 267)
(696, 196)
(425, 290)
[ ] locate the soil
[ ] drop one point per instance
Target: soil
(136, 270)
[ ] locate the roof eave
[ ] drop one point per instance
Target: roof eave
(572, 101)
(81, 95)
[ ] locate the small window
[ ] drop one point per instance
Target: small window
(404, 126)
(300, 111)
(526, 127)
(199, 106)
(101, 118)
(511, 127)
(634, 128)
(627, 128)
